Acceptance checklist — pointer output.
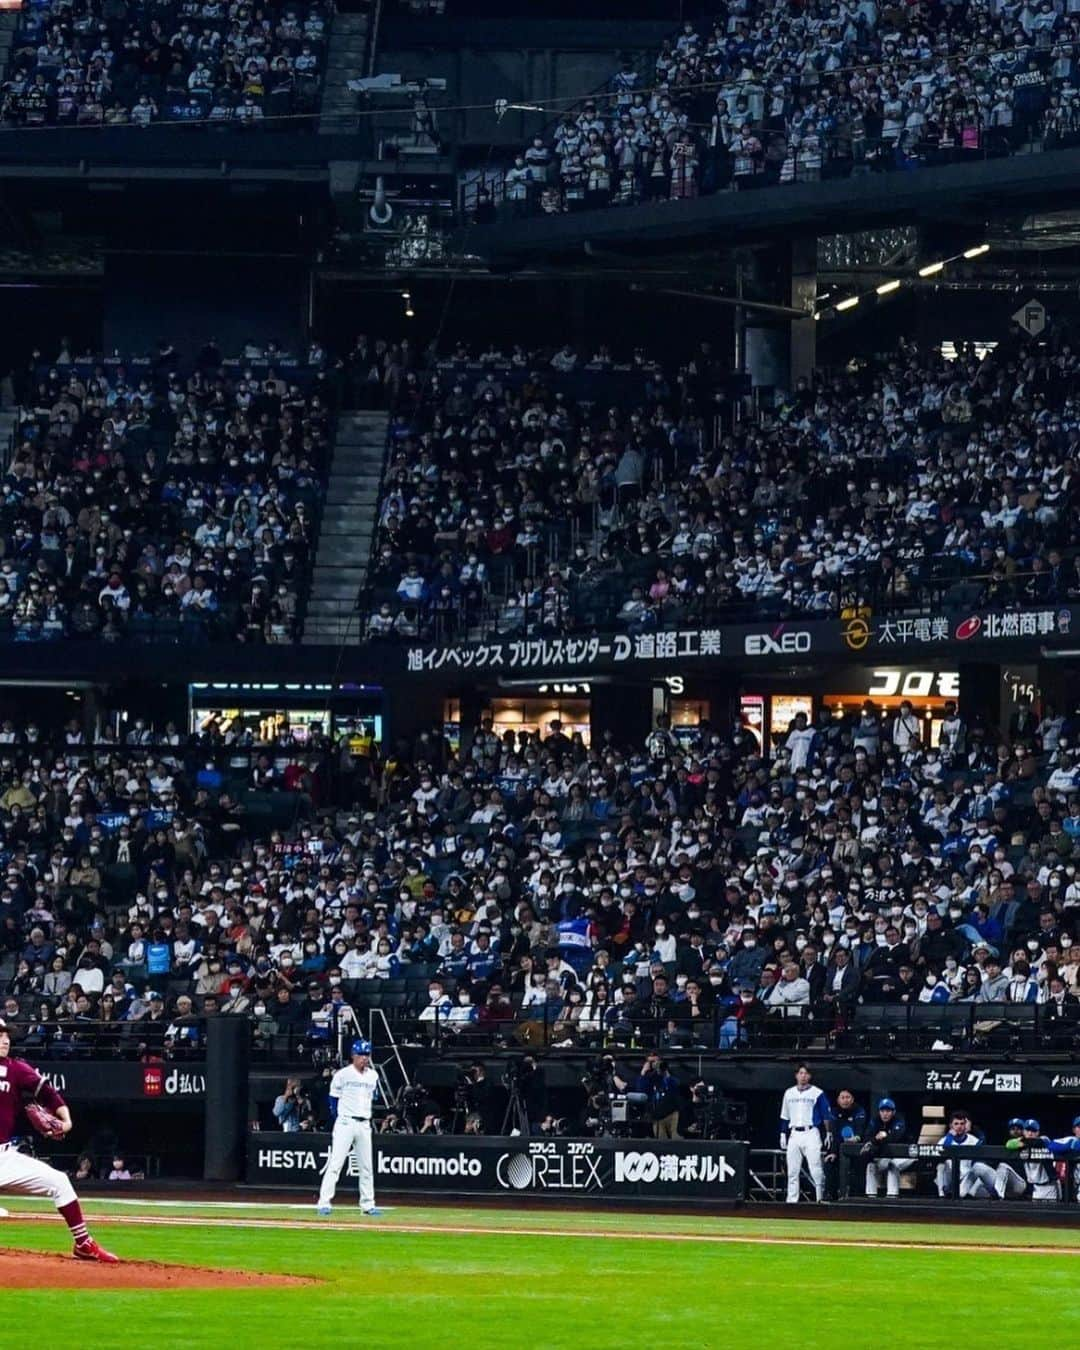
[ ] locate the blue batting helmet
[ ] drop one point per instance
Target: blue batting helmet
(1016, 1123)
(360, 1048)
(886, 1104)
(1032, 1124)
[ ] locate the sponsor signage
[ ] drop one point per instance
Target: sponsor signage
(607, 1168)
(1031, 316)
(973, 1080)
(950, 636)
(798, 642)
(109, 1080)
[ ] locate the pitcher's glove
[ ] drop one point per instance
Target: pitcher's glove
(43, 1121)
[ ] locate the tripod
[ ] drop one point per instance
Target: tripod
(516, 1118)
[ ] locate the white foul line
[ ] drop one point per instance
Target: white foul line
(479, 1230)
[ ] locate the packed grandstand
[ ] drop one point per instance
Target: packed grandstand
(689, 890)
(773, 92)
(537, 491)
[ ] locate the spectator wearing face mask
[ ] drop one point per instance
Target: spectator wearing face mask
(1022, 986)
(743, 1027)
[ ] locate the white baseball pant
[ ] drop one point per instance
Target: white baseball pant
(804, 1146)
(23, 1175)
(349, 1135)
(1010, 1185)
(888, 1169)
(977, 1181)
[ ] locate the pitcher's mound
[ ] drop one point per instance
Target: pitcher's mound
(40, 1270)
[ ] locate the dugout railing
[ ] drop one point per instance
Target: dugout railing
(980, 1172)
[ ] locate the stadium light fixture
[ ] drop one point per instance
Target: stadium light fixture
(849, 303)
(931, 269)
(977, 251)
(887, 287)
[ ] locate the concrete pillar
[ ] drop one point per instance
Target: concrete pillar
(801, 294)
(768, 358)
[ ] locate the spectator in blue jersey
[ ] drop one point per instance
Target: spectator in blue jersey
(455, 963)
(435, 1012)
(935, 988)
(887, 1129)
(463, 1012)
(483, 958)
(575, 942)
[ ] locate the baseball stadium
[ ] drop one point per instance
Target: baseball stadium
(639, 897)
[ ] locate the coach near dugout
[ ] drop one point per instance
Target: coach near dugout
(25, 1093)
(804, 1113)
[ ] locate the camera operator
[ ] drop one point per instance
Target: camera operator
(662, 1090)
(533, 1089)
(702, 1111)
(552, 1126)
(293, 1109)
(600, 1083)
(711, 1115)
(476, 1095)
(417, 1105)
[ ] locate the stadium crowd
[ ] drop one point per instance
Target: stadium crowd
(153, 499)
(527, 492)
(101, 63)
(688, 891)
(777, 92)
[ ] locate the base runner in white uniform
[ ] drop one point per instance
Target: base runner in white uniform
(352, 1093)
(804, 1111)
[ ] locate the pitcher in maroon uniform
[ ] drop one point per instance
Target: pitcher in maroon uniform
(24, 1175)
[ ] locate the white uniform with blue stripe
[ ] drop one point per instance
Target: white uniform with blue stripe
(354, 1092)
(977, 1178)
(802, 1113)
(1040, 1174)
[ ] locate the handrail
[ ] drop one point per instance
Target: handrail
(480, 177)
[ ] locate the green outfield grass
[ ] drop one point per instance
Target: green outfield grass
(586, 1287)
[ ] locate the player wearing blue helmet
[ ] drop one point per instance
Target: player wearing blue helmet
(1040, 1179)
(352, 1095)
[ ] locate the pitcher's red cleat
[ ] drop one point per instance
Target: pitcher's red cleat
(93, 1251)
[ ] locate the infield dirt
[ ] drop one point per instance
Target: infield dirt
(37, 1270)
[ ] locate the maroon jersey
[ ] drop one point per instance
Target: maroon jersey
(20, 1081)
